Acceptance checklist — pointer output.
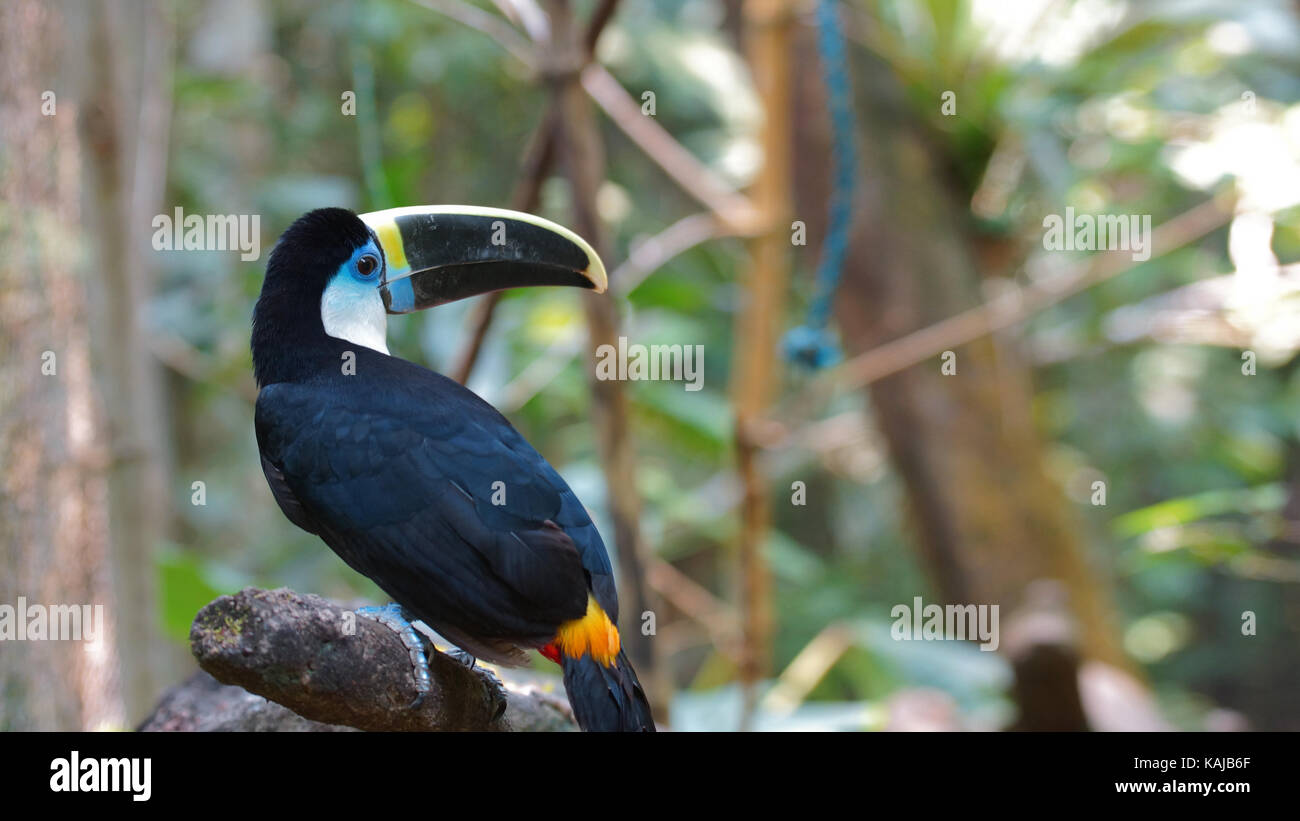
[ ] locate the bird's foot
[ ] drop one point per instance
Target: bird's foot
(395, 618)
(495, 688)
(462, 656)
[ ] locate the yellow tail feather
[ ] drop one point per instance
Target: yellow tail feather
(593, 633)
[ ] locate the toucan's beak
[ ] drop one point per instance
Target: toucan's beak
(441, 253)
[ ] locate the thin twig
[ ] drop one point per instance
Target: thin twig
(999, 313)
(694, 177)
(646, 258)
(536, 167)
(596, 24)
(719, 621)
(539, 159)
(808, 668)
(195, 365)
(581, 151)
(527, 14)
(1015, 306)
(651, 254)
(491, 25)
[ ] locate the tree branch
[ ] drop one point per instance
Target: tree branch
(694, 177)
(328, 665)
(539, 158)
(581, 152)
(491, 25)
(645, 258)
(989, 317)
(201, 704)
(1015, 306)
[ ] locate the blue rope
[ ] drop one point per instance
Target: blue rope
(812, 344)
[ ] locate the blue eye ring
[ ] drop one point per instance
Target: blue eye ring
(367, 265)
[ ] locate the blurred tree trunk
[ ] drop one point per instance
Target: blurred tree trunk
(582, 154)
(54, 547)
(125, 85)
(988, 521)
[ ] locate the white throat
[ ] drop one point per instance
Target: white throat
(354, 311)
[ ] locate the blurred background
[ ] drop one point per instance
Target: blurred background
(1112, 458)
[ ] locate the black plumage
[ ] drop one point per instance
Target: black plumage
(394, 467)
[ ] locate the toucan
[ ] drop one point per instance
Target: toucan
(414, 480)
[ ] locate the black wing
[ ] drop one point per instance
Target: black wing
(400, 479)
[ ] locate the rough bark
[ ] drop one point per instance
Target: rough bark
(332, 667)
(201, 704)
(123, 53)
(988, 521)
(53, 523)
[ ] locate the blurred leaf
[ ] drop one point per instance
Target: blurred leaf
(185, 585)
(1198, 506)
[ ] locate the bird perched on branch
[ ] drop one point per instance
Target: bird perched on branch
(412, 479)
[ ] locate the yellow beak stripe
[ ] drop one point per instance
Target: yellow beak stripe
(391, 239)
(593, 633)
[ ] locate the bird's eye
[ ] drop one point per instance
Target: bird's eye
(367, 265)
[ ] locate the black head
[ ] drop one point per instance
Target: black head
(307, 257)
(334, 275)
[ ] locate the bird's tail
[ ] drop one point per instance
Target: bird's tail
(598, 677)
(606, 698)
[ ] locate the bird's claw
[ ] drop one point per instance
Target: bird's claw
(462, 656)
(495, 688)
(497, 691)
(394, 618)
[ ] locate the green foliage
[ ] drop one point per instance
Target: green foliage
(1196, 470)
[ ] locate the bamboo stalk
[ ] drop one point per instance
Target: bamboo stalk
(768, 24)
